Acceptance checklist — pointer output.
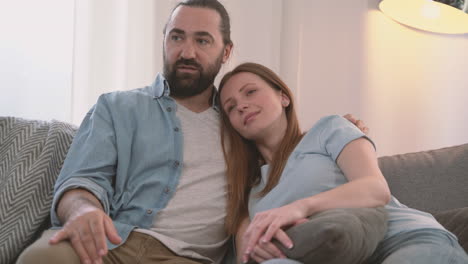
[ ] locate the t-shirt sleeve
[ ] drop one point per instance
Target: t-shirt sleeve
(335, 133)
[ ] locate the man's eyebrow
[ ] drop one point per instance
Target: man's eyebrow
(198, 33)
(204, 34)
(177, 30)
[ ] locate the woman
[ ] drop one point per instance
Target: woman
(278, 177)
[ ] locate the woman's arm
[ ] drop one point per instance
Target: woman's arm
(366, 187)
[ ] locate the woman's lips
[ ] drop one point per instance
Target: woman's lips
(250, 116)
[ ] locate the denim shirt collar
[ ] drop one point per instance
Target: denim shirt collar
(160, 88)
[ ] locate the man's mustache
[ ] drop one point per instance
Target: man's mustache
(189, 62)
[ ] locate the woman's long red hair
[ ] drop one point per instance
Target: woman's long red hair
(243, 160)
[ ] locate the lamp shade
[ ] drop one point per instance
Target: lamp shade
(426, 15)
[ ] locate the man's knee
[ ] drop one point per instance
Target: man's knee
(41, 252)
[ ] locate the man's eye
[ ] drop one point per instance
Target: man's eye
(203, 41)
(175, 38)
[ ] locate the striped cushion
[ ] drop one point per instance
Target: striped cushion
(31, 156)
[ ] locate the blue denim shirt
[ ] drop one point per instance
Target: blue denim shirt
(128, 153)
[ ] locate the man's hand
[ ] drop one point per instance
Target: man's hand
(357, 122)
(86, 226)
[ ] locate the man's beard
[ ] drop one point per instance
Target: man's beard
(185, 85)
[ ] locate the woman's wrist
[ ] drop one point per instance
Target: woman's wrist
(306, 206)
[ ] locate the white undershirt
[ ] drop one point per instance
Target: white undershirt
(192, 224)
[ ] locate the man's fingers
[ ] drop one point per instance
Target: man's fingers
(99, 235)
(87, 239)
(358, 123)
(111, 232)
(366, 130)
(79, 249)
(58, 237)
(351, 118)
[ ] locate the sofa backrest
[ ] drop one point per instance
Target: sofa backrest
(431, 181)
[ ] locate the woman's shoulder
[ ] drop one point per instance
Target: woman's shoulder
(312, 136)
(330, 129)
(328, 123)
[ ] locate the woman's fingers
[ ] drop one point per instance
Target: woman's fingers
(266, 251)
(253, 233)
(283, 238)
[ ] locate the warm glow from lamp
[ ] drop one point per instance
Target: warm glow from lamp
(426, 15)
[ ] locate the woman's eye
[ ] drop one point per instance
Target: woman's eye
(249, 92)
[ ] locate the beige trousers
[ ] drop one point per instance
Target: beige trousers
(139, 248)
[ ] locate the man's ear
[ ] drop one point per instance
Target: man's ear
(227, 52)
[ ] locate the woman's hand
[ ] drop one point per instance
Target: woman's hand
(265, 251)
(269, 224)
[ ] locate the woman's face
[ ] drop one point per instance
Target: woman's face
(253, 107)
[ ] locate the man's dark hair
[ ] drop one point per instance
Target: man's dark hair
(224, 27)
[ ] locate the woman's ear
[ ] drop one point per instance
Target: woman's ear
(285, 101)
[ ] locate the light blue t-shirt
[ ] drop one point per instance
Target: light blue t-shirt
(311, 169)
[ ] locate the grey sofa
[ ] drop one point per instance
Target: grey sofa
(32, 153)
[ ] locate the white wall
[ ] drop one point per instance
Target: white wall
(118, 46)
(36, 41)
(411, 87)
(416, 86)
(322, 53)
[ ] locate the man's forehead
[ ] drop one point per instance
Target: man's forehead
(195, 19)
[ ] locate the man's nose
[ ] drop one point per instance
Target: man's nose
(188, 50)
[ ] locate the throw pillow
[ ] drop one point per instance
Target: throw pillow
(341, 236)
(31, 156)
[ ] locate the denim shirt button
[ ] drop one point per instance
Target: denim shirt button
(169, 109)
(149, 211)
(176, 164)
(166, 190)
(176, 129)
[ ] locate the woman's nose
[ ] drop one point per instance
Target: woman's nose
(242, 106)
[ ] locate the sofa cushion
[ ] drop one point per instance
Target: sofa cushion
(456, 221)
(337, 236)
(31, 156)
